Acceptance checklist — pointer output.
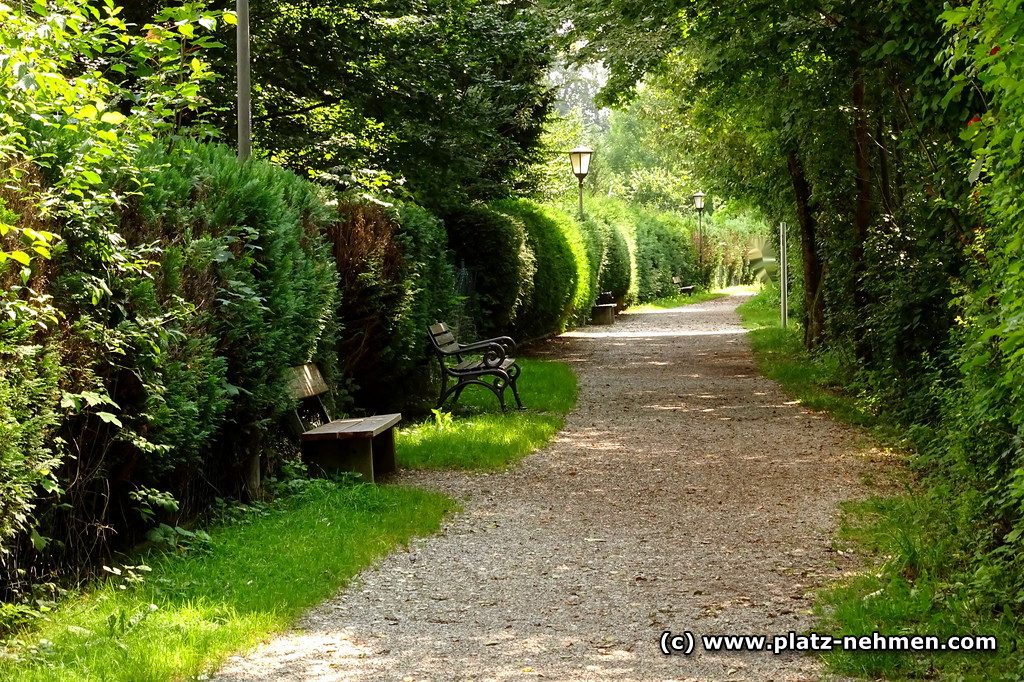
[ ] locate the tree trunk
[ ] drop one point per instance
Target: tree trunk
(814, 302)
(862, 211)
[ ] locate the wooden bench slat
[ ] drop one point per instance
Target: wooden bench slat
(444, 339)
(344, 429)
(439, 328)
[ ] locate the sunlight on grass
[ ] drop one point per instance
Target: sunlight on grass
(193, 611)
(479, 436)
(911, 548)
(678, 301)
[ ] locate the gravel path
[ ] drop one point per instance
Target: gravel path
(685, 493)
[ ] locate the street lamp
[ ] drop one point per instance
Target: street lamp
(698, 203)
(580, 158)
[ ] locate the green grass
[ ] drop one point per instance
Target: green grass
(913, 574)
(480, 436)
(813, 379)
(193, 611)
(913, 582)
(677, 301)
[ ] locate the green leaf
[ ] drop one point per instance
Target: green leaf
(112, 117)
(88, 112)
(38, 541)
(109, 418)
(230, 18)
(21, 257)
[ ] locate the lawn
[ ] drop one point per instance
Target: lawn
(255, 577)
(677, 301)
(477, 435)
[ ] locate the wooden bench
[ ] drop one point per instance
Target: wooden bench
(365, 446)
(603, 313)
(687, 289)
(492, 360)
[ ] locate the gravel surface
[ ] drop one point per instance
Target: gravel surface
(685, 493)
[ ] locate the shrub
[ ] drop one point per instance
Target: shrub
(173, 383)
(395, 278)
(664, 251)
(619, 274)
(562, 289)
(493, 248)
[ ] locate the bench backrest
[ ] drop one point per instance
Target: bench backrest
(306, 385)
(442, 338)
(305, 381)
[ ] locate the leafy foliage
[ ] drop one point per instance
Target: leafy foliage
(395, 279)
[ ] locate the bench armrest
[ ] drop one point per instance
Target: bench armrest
(504, 341)
(493, 353)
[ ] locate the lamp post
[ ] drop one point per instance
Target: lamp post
(698, 203)
(580, 158)
(243, 68)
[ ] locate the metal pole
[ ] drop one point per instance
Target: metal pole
(581, 198)
(783, 275)
(700, 243)
(244, 81)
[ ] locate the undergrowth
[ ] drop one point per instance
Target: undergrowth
(917, 570)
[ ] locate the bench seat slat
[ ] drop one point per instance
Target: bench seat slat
(344, 429)
(470, 365)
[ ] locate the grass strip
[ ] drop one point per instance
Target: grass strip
(913, 578)
(479, 436)
(190, 612)
(676, 301)
(181, 616)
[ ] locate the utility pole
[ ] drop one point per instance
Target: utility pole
(244, 81)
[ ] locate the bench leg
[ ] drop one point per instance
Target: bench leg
(513, 375)
(384, 453)
(353, 455)
(499, 390)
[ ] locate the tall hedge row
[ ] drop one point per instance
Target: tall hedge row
(168, 387)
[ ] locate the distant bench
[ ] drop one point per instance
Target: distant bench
(364, 445)
(687, 289)
(603, 310)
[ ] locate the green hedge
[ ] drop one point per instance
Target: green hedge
(492, 248)
(646, 249)
(563, 283)
(619, 273)
(395, 279)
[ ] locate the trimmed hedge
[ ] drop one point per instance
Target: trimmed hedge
(395, 278)
(562, 282)
(492, 247)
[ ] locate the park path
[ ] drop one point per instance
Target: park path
(686, 492)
